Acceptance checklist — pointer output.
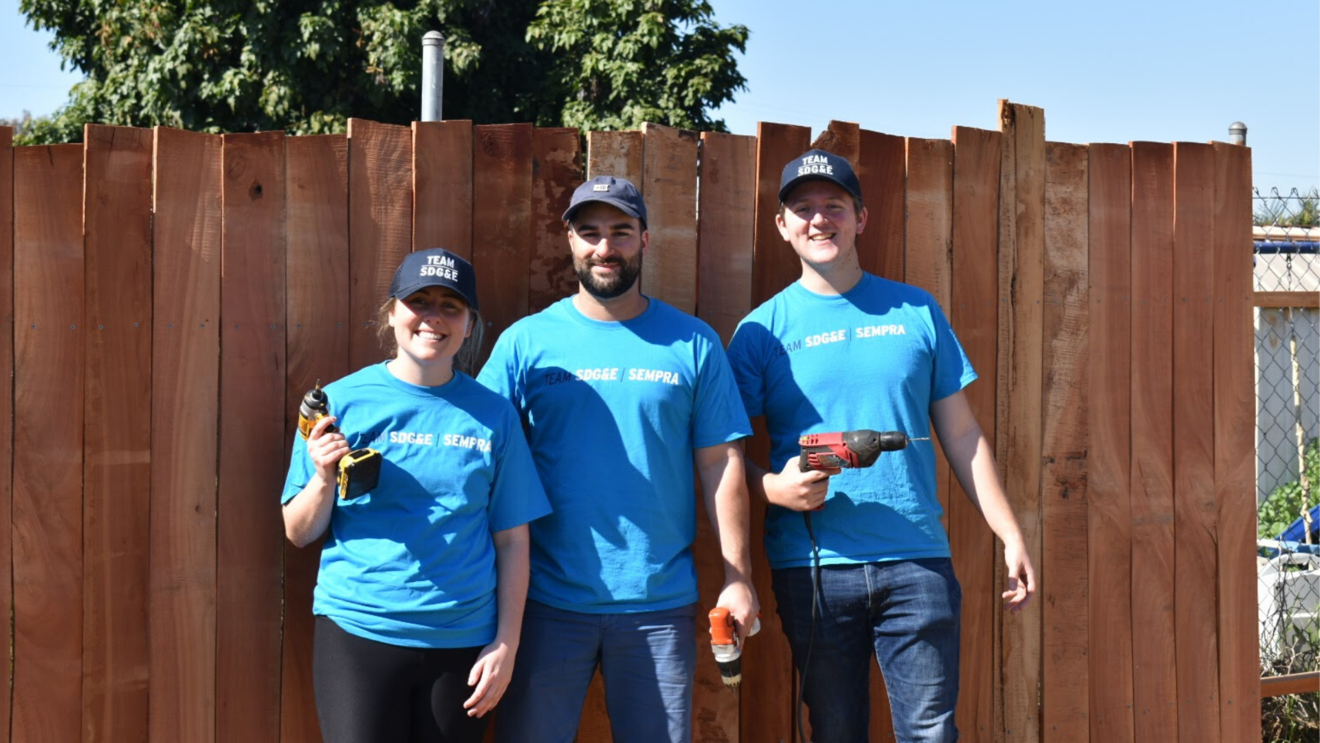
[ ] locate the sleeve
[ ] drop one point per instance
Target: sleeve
(951, 370)
(718, 414)
(300, 470)
(502, 374)
(516, 495)
(748, 371)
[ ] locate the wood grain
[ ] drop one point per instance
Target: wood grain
(1066, 362)
(502, 174)
(556, 172)
(726, 230)
(842, 138)
(974, 315)
(774, 264)
(316, 293)
(442, 186)
(1109, 517)
(249, 530)
(185, 369)
(881, 169)
(380, 224)
(49, 357)
(669, 175)
(1239, 649)
(1195, 510)
(117, 432)
(619, 154)
(6, 414)
(1154, 679)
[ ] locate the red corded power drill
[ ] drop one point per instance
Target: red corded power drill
(848, 449)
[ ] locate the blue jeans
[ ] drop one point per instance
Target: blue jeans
(907, 614)
(647, 660)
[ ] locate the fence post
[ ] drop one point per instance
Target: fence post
(433, 67)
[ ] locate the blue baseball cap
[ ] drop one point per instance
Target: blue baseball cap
(435, 267)
(819, 165)
(619, 193)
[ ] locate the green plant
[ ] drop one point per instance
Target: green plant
(1284, 504)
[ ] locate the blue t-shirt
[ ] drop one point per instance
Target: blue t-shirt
(412, 562)
(613, 411)
(875, 357)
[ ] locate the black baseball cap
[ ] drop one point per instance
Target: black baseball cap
(819, 165)
(619, 193)
(435, 267)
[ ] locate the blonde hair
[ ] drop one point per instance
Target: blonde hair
(466, 358)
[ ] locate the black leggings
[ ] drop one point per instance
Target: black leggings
(373, 692)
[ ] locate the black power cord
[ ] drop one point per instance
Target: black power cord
(815, 612)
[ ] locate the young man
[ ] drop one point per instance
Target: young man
(840, 350)
(621, 396)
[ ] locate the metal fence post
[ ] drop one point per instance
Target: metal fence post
(433, 68)
(1237, 133)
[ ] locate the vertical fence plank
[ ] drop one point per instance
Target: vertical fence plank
(502, 174)
(1063, 477)
(768, 672)
(881, 169)
(728, 199)
(117, 434)
(616, 153)
(1109, 518)
(1239, 649)
(1195, 517)
(556, 172)
(928, 245)
(1154, 684)
(843, 138)
(974, 315)
(1024, 126)
(317, 348)
(48, 429)
(184, 412)
(249, 533)
(6, 414)
(380, 225)
(669, 171)
(442, 186)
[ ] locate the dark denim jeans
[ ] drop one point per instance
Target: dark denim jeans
(905, 612)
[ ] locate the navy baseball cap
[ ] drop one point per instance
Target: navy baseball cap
(435, 267)
(819, 165)
(607, 189)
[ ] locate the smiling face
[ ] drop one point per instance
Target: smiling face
(429, 327)
(821, 221)
(607, 249)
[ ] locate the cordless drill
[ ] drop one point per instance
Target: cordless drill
(359, 470)
(848, 449)
(727, 646)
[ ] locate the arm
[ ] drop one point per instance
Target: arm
(494, 666)
(790, 488)
(974, 465)
(724, 489)
(307, 514)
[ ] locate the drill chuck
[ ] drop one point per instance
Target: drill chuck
(315, 406)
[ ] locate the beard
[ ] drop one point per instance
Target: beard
(611, 287)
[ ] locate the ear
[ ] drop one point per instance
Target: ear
(861, 220)
(779, 222)
(646, 240)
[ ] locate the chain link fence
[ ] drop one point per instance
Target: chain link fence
(1287, 265)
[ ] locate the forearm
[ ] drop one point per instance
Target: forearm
(307, 514)
(755, 474)
(973, 463)
(512, 576)
(724, 490)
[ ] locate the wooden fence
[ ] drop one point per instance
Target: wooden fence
(167, 296)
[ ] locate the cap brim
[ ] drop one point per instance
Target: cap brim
(616, 203)
(787, 188)
(406, 291)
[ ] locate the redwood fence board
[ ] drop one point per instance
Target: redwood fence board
(6, 413)
(1195, 510)
(502, 174)
(185, 369)
(974, 315)
(1239, 649)
(317, 351)
(669, 175)
(726, 231)
(1109, 517)
(252, 372)
(881, 169)
(117, 433)
(1154, 680)
(843, 138)
(1063, 600)
(616, 153)
(442, 186)
(556, 172)
(48, 437)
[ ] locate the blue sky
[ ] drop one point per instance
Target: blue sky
(1116, 71)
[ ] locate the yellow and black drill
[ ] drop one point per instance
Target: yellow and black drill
(359, 470)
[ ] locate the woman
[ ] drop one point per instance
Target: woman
(420, 594)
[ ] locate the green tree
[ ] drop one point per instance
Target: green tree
(305, 66)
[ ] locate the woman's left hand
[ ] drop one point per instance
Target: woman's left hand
(490, 674)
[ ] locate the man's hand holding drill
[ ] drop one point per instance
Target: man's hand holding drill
(796, 490)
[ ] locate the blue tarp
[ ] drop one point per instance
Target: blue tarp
(1296, 531)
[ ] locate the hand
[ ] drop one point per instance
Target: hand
(490, 674)
(739, 598)
(797, 490)
(1021, 578)
(326, 449)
